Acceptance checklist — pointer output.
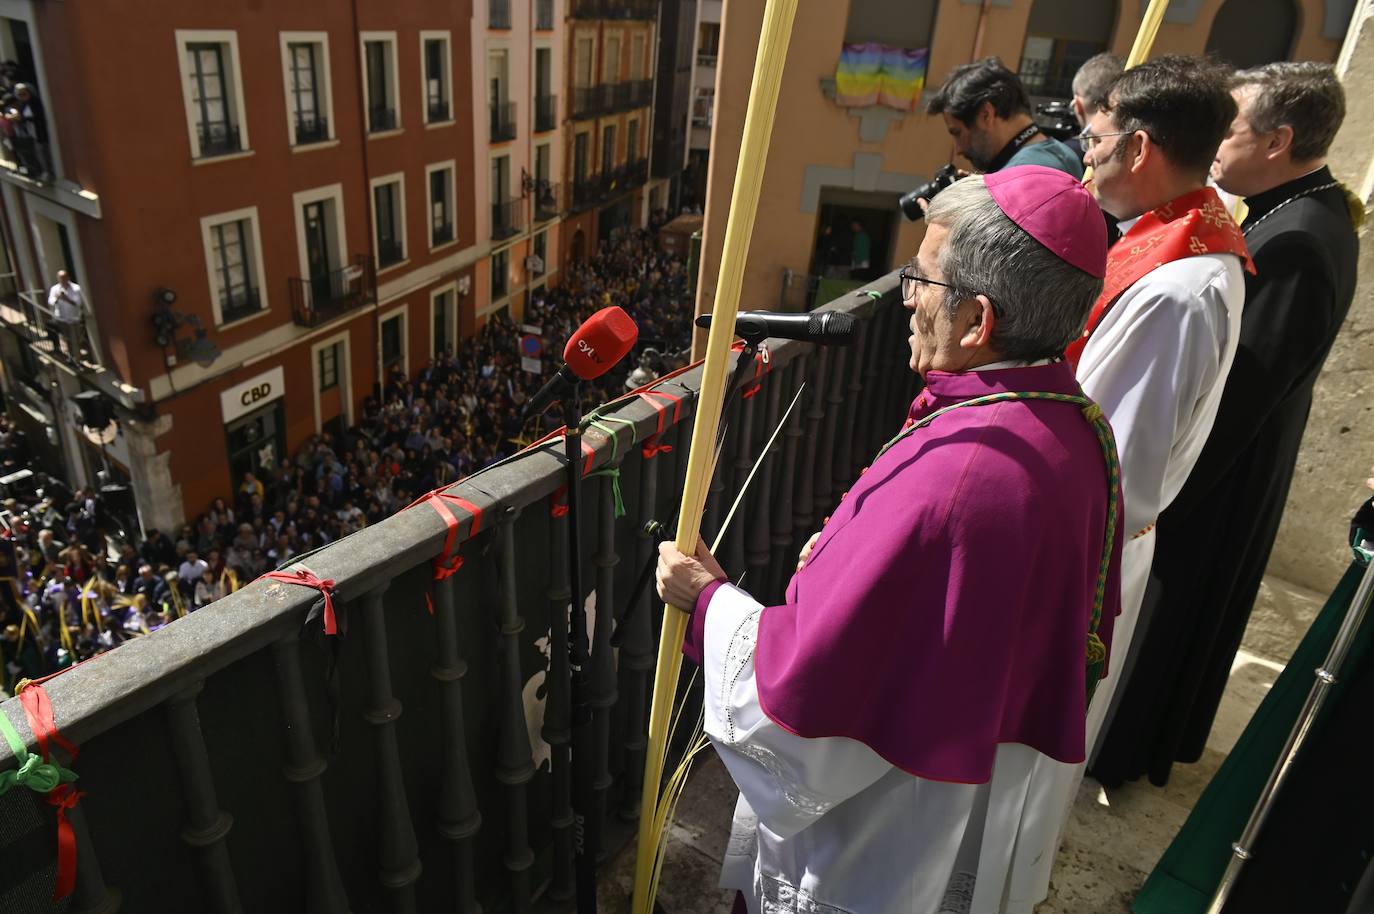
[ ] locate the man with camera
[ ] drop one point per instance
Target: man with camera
(988, 114)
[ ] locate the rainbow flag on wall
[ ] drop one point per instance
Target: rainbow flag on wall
(870, 73)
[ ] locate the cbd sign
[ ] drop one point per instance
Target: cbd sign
(254, 393)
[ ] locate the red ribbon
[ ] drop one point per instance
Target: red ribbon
(558, 502)
(306, 579)
(763, 364)
(38, 709)
(651, 448)
(447, 563)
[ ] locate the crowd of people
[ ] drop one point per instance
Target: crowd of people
(73, 591)
(23, 124)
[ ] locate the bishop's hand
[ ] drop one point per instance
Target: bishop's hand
(681, 579)
(806, 550)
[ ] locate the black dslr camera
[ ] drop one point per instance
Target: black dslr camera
(1056, 119)
(944, 177)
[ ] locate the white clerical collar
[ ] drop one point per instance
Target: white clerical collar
(1011, 363)
(1125, 225)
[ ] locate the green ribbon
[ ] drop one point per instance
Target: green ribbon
(33, 773)
(613, 473)
(599, 423)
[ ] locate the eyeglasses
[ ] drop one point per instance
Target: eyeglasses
(910, 280)
(1090, 140)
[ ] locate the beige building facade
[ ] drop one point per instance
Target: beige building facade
(827, 164)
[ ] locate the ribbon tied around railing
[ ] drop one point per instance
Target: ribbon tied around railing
(39, 773)
(449, 560)
(307, 578)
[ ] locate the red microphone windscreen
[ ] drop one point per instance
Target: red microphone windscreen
(603, 339)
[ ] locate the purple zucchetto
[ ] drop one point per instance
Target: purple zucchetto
(1056, 210)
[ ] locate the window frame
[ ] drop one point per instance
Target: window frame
(393, 88)
(450, 166)
(445, 36)
(399, 218)
(254, 273)
(327, 381)
(235, 103)
(324, 86)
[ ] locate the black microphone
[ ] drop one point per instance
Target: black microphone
(826, 328)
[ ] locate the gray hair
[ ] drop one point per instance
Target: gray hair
(1304, 95)
(1095, 78)
(1041, 301)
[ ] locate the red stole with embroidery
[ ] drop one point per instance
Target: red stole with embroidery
(1193, 224)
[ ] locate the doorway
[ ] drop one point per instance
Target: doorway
(317, 251)
(256, 442)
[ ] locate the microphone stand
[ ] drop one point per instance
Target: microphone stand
(660, 532)
(586, 830)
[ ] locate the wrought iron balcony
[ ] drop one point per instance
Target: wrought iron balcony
(585, 192)
(588, 101)
(234, 306)
(380, 120)
(218, 138)
(312, 128)
(545, 112)
(305, 772)
(439, 110)
(543, 15)
(503, 122)
(321, 298)
(640, 93)
(505, 219)
(545, 201)
(440, 234)
(498, 14)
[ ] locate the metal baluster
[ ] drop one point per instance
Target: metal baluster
(206, 824)
(601, 692)
(557, 729)
(459, 820)
(637, 654)
(806, 520)
(782, 558)
(742, 460)
(91, 895)
(850, 427)
(873, 348)
(398, 861)
(514, 764)
(760, 502)
(834, 400)
(324, 891)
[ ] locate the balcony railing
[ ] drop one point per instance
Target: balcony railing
(640, 93)
(381, 119)
(545, 201)
(585, 192)
(439, 111)
(441, 234)
(505, 219)
(235, 306)
(706, 60)
(503, 122)
(498, 14)
(311, 129)
(545, 112)
(318, 299)
(543, 15)
(588, 101)
(615, 9)
(306, 772)
(218, 138)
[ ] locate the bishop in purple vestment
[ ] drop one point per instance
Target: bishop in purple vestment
(885, 724)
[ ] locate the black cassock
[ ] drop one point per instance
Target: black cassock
(1214, 539)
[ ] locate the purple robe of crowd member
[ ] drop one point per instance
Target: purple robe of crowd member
(940, 638)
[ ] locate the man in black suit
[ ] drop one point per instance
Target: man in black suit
(1215, 539)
